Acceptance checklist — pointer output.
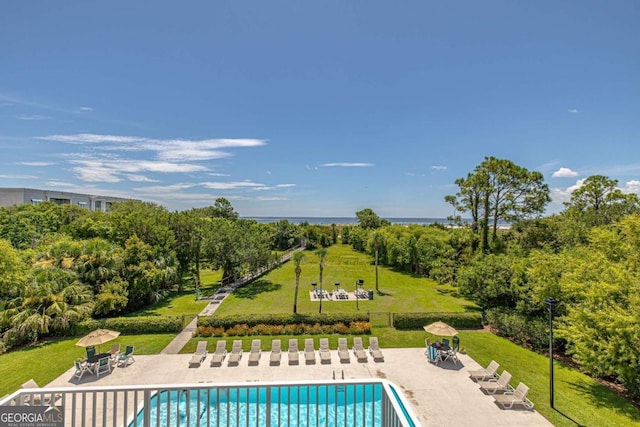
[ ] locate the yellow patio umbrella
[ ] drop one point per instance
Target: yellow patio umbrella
(97, 337)
(441, 329)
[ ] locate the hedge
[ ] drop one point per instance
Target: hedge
(251, 320)
(132, 325)
(242, 329)
(411, 321)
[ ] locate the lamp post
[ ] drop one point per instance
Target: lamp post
(551, 304)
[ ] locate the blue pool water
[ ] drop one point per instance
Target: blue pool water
(351, 405)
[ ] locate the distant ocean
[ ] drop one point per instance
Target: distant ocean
(343, 220)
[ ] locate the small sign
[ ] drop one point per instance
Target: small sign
(31, 416)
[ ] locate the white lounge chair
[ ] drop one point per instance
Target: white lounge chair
(485, 374)
(325, 353)
(309, 351)
(276, 352)
(115, 354)
(81, 369)
(254, 354)
(39, 398)
(515, 397)
(200, 354)
(294, 354)
(374, 349)
(103, 366)
(343, 351)
(358, 350)
(219, 354)
(501, 384)
(126, 357)
(236, 353)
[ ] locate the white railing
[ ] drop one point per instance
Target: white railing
(326, 403)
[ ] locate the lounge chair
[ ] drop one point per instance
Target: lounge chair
(91, 351)
(115, 354)
(427, 344)
(374, 349)
(343, 351)
(276, 352)
(200, 354)
(81, 369)
(236, 353)
(254, 354)
(309, 351)
(515, 397)
(220, 353)
(485, 374)
(325, 353)
(103, 366)
(39, 398)
(126, 357)
(294, 355)
(433, 355)
(501, 384)
(358, 350)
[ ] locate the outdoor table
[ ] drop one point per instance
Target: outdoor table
(93, 360)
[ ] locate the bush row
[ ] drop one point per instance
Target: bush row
(132, 325)
(289, 329)
(527, 332)
(251, 320)
(409, 321)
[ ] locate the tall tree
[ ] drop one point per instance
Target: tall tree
(322, 255)
(376, 240)
(499, 190)
(297, 260)
(368, 219)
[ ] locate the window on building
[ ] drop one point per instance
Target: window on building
(97, 205)
(36, 201)
(60, 201)
(82, 204)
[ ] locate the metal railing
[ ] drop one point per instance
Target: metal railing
(326, 403)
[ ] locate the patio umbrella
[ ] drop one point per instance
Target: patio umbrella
(97, 337)
(441, 329)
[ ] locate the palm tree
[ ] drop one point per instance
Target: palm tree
(297, 259)
(322, 254)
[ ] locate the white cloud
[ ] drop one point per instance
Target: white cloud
(32, 117)
(631, 187)
(564, 173)
(18, 176)
(573, 110)
(140, 178)
(559, 195)
(285, 185)
(439, 168)
(36, 163)
(347, 165)
(88, 109)
(95, 170)
(271, 199)
(232, 185)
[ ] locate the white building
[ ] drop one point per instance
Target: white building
(22, 196)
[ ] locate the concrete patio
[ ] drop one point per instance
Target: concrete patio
(439, 395)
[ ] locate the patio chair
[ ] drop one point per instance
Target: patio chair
(115, 354)
(103, 366)
(200, 354)
(515, 397)
(91, 351)
(343, 351)
(294, 355)
(427, 344)
(433, 355)
(39, 398)
(81, 369)
(220, 353)
(309, 351)
(276, 352)
(236, 353)
(494, 386)
(374, 349)
(325, 353)
(358, 350)
(445, 343)
(456, 343)
(254, 354)
(126, 357)
(485, 374)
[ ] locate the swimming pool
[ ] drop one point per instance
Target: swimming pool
(348, 404)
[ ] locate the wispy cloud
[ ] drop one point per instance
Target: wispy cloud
(347, 165)
(96, 170)
(573, 111)
(86, 109)
(140, 178)
(30, 117)
(564, 173)
(232, 185)
(271, 199)
(18, 176)
(439, 168)
(37, 164)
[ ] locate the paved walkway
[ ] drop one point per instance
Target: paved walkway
(439, 395)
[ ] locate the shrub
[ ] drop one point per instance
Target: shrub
(358, 328)
(132, 325)
(416, 321)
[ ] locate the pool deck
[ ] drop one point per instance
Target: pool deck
(439, 395)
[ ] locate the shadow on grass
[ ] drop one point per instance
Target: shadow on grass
(568, 418)
(253, 289)
(600, 395)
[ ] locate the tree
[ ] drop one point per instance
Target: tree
(297, 260)
(499, 190)
(321, 254)
(368, 219)
(598, 201)
(376, 240)
(13, 272)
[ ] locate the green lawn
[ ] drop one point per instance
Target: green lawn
(399, 292)
(46, 361)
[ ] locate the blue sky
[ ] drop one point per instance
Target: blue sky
(291, 108)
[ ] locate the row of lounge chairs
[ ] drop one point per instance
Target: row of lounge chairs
(500, 388)
(293, 353)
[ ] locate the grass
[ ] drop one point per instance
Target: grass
(47, 360)
(399, 292)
